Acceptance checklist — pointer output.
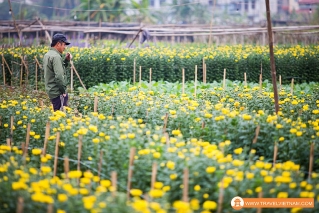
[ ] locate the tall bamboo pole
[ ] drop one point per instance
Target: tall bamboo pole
(272, 58)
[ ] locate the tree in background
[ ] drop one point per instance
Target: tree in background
(189, 12)
(104, 10)
(315, 17)
(140, 12)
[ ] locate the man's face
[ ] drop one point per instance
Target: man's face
(60, 46)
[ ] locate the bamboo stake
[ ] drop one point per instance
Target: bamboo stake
(203, 125)
(185, 185)
(167, 139)
(95, 103)
(46, 137)
(134, 70)
(183, 81)
(261, 81)
(8, 142)
(165, 122)
(221, 197)
(11, 129)
(71, 80)
(27, 140)
(140, 76)
(38, 63)
(153, 178)
(150, 78)
(21, 74)
(56, 153)
(50, 208)
(79, 151)
(224, 79)
(275, 154)
(292, 87)
(20, 205)
(245, 79)
(311, 158)
(280, 82)
(205, 73)
(195, 81)
(66, 167)
(256, 134)
(203, 70)
(271, 55)
(72, 65)
(260, 195)
(36, 77)
(114, 183)
(130, 171)
(100, 163)
(26, 68)
(4, 60)
(4, 72)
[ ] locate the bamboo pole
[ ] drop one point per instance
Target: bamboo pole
(9, 142)
(245, 79)
(56, 153)
(21, 74)
(134, 70)
(272, 58)
(140, 76)
(203, 70)
(4, 72)
(256, 134)
(79, 152)
(224, 79)
(36, 76)
(96, 100)
(153, 177)
(76, 72)
(261, 81)
(185, 185)
(38, 63)
(205, 73)
(11, 129)
(195, 87)
(114, 183)
(71, 80)
(221, 197)
(46, 137)
(66, 167)
(50, 208)
(20, 205)
(100, 163)
(150, 86)
(26, 68)
(292, 86)
(167, 139)
(25, 151)
(4, 60)
(311, 158)
(280, 82)
(183, 81)
(260, 195)
(165, 122)
(130, 171)
(275, 153)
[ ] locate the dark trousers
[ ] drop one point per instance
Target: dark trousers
(57, 102)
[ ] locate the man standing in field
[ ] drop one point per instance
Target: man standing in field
(55, 72)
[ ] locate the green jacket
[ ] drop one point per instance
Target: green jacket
(55, 76)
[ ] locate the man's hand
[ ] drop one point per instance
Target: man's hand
(64, 95)
(68, 56)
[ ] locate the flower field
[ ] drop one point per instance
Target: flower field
(159, 147)
(106, 64)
